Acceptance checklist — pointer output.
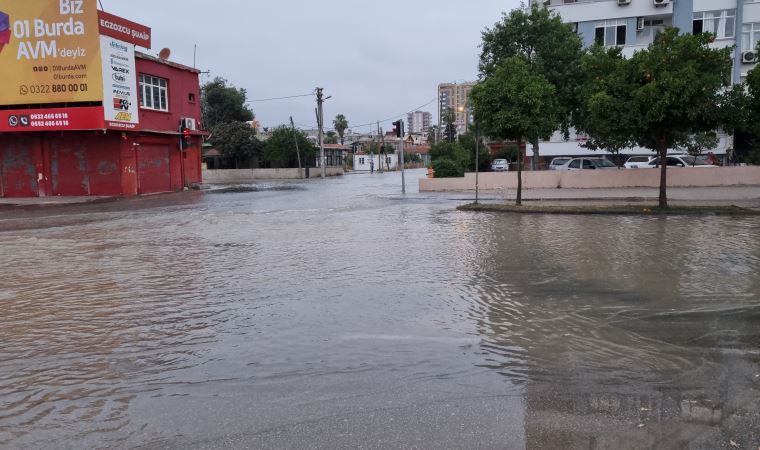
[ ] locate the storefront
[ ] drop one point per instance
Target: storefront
(103, 120)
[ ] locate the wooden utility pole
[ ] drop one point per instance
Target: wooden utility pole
(320, 123)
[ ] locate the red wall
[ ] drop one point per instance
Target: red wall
(181, 83)
(70, 163)
(77, 163)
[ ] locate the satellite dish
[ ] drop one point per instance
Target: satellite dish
(164, 53)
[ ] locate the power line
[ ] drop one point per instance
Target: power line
(279, 98)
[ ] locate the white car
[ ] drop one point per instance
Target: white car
(557, 162)
(500, 165)
(681, 161)
(638, 162)
(587, 163)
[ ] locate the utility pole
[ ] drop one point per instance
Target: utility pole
(403, 180)
(320, 121)
(477, 164)
(298, 152)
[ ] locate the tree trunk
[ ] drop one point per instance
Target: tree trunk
(518, 202)
(534, 161)
(662, 150)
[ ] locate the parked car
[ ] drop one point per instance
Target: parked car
(557, 162)
(500, 165)
(638, 162)
(681, 161)
(587, 163)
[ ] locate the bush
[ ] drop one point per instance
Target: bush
(445, 167)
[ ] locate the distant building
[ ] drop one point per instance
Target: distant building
(367, 163)
(418, 122)
(455, 96)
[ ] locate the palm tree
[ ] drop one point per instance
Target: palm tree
(341, 124)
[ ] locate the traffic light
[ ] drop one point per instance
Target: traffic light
(398, 127)
(185, 141)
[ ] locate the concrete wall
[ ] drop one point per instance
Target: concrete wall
(250, 175)
(599, 179)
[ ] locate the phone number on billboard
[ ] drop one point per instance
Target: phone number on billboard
(53, 88)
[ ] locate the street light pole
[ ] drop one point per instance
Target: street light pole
(477, 163)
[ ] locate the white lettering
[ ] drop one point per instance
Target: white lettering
(37, 50)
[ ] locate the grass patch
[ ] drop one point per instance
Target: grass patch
(630, 210)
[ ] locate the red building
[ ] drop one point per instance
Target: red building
(74, 149)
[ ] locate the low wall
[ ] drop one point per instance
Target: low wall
(599, 179)
(250, 175)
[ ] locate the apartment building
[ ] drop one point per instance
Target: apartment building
(418, 122)
(455, 96)
(634, 24)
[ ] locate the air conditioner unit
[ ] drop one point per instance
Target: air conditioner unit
(190, 124)
(640, 23)
(749, 57)
(624, 2)
(662, 2)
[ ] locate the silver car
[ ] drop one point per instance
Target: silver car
(556, 163)
(587, 163)
(638, 162)
(500, 165)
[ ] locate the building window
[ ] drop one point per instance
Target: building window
(611, 32)
(719, 23)
(191, 98)
(750, 36)
(361, 161)
(153, 93)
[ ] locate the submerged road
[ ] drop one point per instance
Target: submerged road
(341, 314)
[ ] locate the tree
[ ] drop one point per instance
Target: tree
(236, 140)
(551, 49)
(450, 129)
(280, 148)
(223, 103)
(432, 135)
(698, 143)
(468, 142)
(514, 102)
(449, 159)
(659, 97)
(341, 124)
(331, 137)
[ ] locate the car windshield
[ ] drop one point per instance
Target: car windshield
(604, 163)
(638, 159)
(559, 161)
(500, 161)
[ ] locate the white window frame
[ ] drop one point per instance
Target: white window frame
(613, 24)
(721, 18)
(750, 36)
(154, 93)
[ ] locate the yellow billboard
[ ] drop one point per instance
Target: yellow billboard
(49, 52)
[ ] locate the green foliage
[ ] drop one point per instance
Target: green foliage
(222, 103)
(659, 97)
(432, 134)
(445, 167)
(549, 46)
(280, 149)
(515, 103)
(449, 120)
(467, 141)
(341, 124)
(331, 137)
(235, 140)
(451, 158)
(698, 143)
(412, 158)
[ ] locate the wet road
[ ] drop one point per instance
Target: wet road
(339, 314)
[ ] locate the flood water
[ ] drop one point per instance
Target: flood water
(339, 314)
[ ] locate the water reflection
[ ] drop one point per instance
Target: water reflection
(625, 332)
(340, 314)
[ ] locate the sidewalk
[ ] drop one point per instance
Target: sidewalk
(747, 196)
(43, 201)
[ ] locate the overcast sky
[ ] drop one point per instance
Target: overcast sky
(377, 59)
